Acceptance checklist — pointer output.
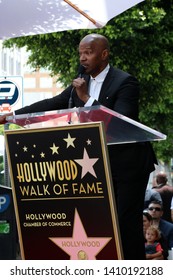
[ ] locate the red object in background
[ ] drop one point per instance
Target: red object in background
(5, 107)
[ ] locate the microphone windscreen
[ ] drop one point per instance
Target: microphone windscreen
(81, 70)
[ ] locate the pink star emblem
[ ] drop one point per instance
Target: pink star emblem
(80, 246)
(87, 164)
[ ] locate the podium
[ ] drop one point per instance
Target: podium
(61, 181)
(119, 128)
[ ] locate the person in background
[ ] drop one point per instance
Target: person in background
(172, 209)
(155, 209)
(147, 222)
(166, 193)
(153, 248)
(150, 195)
(131, 164)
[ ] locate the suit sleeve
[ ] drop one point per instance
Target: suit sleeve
(55, 103)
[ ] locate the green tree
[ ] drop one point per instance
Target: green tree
(141, 41)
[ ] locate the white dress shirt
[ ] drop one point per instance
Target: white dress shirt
(172, 204)
(95, 85)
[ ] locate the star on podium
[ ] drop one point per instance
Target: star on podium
(80, 246)
(54, 149)
(87, 164)
(69, 141)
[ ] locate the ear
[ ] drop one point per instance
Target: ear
(105, 54)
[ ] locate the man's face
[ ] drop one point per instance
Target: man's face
(155, 210)
(92, 57)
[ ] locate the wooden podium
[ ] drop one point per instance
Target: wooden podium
(61, 181)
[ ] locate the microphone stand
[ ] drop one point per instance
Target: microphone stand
(70, 102)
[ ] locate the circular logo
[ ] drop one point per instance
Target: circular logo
(9, 94)
(4, 202)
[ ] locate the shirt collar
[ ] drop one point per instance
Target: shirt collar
(100, 77)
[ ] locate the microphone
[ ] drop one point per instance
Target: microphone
(81, 71)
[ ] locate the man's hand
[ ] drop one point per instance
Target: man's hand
(81, 88)
(3, 118)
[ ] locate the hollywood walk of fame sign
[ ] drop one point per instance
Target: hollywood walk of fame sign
(63, 193)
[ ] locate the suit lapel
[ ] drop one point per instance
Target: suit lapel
(106, 85)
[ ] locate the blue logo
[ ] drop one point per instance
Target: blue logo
(9, 94)
(4, 202)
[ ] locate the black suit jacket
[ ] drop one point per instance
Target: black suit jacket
(167, 230)
(119, 92)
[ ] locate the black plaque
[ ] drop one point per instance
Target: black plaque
(63, 193)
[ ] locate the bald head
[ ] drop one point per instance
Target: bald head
(161, 178)
(97, 39)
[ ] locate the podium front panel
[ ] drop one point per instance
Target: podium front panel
(63, 193)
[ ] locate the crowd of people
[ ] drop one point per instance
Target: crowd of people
(158, 219)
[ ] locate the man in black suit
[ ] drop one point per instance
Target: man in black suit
(131, 164)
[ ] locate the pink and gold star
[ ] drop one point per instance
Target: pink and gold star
(80, 246)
